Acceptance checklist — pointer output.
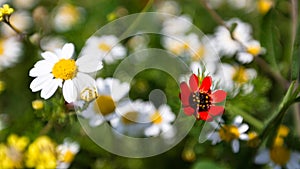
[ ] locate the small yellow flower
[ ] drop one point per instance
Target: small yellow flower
(37, 104)
(264, 6)
(6, 10)
(41, 153)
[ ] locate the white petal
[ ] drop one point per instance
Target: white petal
(96, 121)
(152, 131)
(263, 157)
(118, 52)
(40, 68)
(278, 167)
(244, 137)
(89, 64)
(41, 81)
(238, 120)
(235, 144)
(50, 56)
(165, 127)
(243, 128)
(69, 91)
(82, 81)
(49, 89)
(119, 90)
(67, 51)
(244, 57)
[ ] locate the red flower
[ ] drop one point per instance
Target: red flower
(198, 100)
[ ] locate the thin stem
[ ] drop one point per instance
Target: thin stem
(7, 22)
(47, 128)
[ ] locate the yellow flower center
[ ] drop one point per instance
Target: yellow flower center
(104, 105)
(156, 118)
(64, 69)
(68, 156)
(240, 76)
(253, 139)
(280, 155)
(229, 133)
(129, 117)
(104, 47)
(254, 50)
(264, 6)
(1, 47)
(283, 131)
(199, 53)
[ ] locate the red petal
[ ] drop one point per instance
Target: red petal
(216, 110)
(206, 83)
(194, 82)
(218, 96)
(205, 116)
(188, 111)
(185, 93)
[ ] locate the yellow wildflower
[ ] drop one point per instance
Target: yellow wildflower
(6, 10)
(37, 104)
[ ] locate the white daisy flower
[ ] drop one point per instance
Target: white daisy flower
(177, 25)
(10, 51)
(230, 133)
(66, 153)
(133, 118)
(110, 92)
(161, 120)
(106, 47)
(226, 44)
(66, 16)
(234, 79)
(278, 157)
(253, 48)
(58, 69)
(22, 20)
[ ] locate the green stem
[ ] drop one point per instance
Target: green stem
(250, 119)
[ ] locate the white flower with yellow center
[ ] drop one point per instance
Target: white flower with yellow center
(10, 50)
(105, 47)
(133, 118)
(110, 93)
(161, 120)
(169, 7)
(66, 16)
(58, 69)
(252, 49)
(241, 34)
(236, 79)
(278, 157)
(66, 153)
(230, 133)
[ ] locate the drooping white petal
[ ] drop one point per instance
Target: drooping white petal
(243, 128)
(49, 89)
(41, 81)
(235, 144)
(67, 51)
(263, 157)
(89, 64)
(244, 57)
(244, 137)
(69, 91)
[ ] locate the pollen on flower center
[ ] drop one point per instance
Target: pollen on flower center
(64, 69)
(200, 101)
(156, 118)
(130, 117)
(254, 50)
(105, 104)
(280, 155)
(240, 75)
(228, 133)
(68, 157)
(105, 47)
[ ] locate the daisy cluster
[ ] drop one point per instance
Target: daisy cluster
(43, 152)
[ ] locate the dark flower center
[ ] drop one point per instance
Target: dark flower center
(200, 101)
